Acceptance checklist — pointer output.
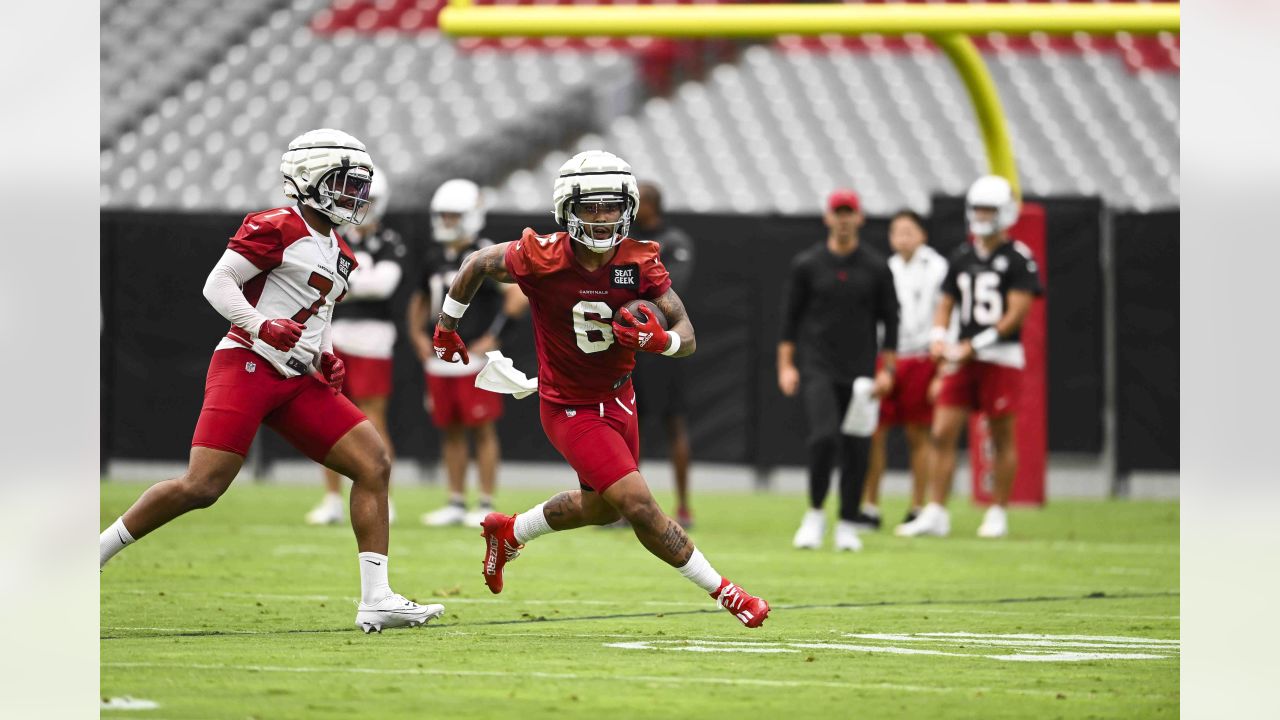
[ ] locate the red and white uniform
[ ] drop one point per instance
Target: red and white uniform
(588, 406)
(277, 267)
(918, 283)
(303, 275)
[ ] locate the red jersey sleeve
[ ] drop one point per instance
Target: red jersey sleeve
(517, 256)
(258, 241)
(654, 280)
(531, 256)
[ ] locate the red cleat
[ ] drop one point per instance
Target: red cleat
(499, 533)
(748, 608)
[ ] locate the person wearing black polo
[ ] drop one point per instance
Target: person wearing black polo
(840, 294)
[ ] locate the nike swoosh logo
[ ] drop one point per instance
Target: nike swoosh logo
(374, 562)
(255, 227)
(120, 536)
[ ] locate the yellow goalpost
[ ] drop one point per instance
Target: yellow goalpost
(948, 26)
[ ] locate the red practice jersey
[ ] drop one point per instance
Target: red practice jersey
(303, 275)
(573, 308)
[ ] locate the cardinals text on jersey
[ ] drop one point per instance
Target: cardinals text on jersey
(303, 275)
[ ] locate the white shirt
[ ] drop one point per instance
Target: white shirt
(919, 286)
(284, 269)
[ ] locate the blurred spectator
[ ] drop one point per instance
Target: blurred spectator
(457, 407)
(838, 292)
(364, 333)
(918, 271)
(661, 384)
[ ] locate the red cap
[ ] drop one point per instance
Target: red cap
(843, 198)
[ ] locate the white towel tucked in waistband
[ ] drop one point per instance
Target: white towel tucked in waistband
(500, 376)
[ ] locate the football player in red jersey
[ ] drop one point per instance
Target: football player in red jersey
(577, 282)
(277, 283)
(994, 280)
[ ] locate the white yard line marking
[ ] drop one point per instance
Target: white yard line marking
(1026, 647)
(1035, 636)
(1075, 657)
(974, 639)
(129, 703)
(610, 677)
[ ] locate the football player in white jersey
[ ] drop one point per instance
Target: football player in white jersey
(918, 271)
(277, 284)
(993, 281)
(365, 334)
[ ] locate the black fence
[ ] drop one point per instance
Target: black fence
(158, 333)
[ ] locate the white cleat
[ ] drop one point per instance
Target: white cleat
(812, 528)
(932, 520)
(395, 611)
(847, 536)
(328, 512)
(995, 524)
(447, 515)
(476, 517)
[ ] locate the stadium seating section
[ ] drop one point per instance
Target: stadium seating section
(198, 99)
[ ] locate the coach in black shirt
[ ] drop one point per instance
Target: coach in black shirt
(838, 292)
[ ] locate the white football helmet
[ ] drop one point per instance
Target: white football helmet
(991, 191)
(595, 176)
(461, 197)
(331, 171)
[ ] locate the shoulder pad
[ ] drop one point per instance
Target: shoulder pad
(273, 218)
(1021, 249)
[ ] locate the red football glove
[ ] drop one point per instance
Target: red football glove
(281, 333)
(646, 337)
(333, 369)
(448, 346)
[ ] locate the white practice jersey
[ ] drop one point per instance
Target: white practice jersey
(919, 285)
(303, 275)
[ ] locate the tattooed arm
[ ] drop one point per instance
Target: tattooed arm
(489, 262)
(677, 321)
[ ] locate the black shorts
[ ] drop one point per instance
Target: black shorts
(825, 402)
(659, 385)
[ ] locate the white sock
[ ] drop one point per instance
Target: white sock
(870, 510)
(333, 500)
(700, 572)
(531, 524)
(373, 577)
(112, 540)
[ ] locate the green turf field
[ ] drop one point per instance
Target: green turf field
(242, 611)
